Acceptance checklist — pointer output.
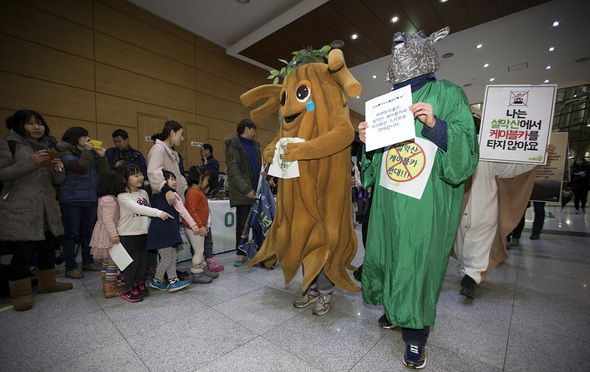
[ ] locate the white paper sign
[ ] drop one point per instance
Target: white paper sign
(120, 256)
(280, 168)
(389, 119)
(516, 123)
(406, 167)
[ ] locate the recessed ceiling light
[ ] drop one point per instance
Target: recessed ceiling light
(394, 19)
(374, 76)
(479, 46)
(486, 65)
(357, 97)
(551, 49)
(548, 68)
(492, 79)
(354, 36)
(546, 81)
(336, 44)
(556, 23)
(443, 1)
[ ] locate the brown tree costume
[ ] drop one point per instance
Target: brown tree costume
(313, 224)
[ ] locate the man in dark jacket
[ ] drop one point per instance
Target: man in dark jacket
(122, 152)
(210, 162)
(243, 160)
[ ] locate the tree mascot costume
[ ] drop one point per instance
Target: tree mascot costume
(313, 225)
(410, 240)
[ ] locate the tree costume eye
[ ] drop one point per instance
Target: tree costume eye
(283, 98)
(302, 93)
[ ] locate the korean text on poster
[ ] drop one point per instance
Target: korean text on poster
(406, 167)
(279, 167)
(390, 120)
(516, 123)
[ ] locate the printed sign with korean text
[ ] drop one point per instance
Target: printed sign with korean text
(390, 120)
(516, 123)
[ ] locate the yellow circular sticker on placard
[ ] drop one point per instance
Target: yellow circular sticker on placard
(405, 162)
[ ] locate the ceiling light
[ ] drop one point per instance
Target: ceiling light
(551, 49)
(394, 19)
(583, 59)
(443, 1)
(243, 1)
(548, 68)
(467, 85)
(336, 44)
(479, 46)
(354, 36)
(492, 79)
(448, 55)
(546, 81)
(374, 76)
(556, 23)
(357, 97)
(486, 65)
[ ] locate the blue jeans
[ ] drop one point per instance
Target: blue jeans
(78, 220)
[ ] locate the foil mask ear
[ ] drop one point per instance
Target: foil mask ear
(413, 55)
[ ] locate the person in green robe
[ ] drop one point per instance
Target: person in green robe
(410, 240)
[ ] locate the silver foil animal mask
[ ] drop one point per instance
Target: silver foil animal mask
(413, 55)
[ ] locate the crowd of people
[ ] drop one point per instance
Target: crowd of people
(104, 200)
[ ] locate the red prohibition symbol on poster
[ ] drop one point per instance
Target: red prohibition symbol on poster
(405, 162)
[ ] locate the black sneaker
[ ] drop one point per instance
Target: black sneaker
(132, 295)
(384, 323)
(535, 236)
(469, 286)
(415, 356)
(143, 291)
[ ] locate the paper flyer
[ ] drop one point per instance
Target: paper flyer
(280, 168)
(390, 120)
(406, 167)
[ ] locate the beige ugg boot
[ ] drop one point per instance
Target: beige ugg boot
(20, 291)
(111, 289)
(47, 283)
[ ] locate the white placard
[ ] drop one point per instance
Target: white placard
(516, 123)
(406, 167)
(120, 256)
(389, 119)
(280, 168)
(196, 144)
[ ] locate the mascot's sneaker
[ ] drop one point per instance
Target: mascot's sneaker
(415, 356)
(310, 296)
(323, 305)
(384, 323)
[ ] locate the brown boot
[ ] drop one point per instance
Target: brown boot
(20, 291)
(111, 289)
(47, 283)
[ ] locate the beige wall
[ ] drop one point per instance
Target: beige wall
(106, 64)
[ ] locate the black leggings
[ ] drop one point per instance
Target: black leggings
(137, 270)
(22, 258)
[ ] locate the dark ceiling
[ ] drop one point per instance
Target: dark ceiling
(370, 19)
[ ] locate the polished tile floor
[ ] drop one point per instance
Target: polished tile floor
(532, 314)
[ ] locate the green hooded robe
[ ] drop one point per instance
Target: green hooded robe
(409, 240)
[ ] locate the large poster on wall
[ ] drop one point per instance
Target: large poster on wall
(516, 123)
